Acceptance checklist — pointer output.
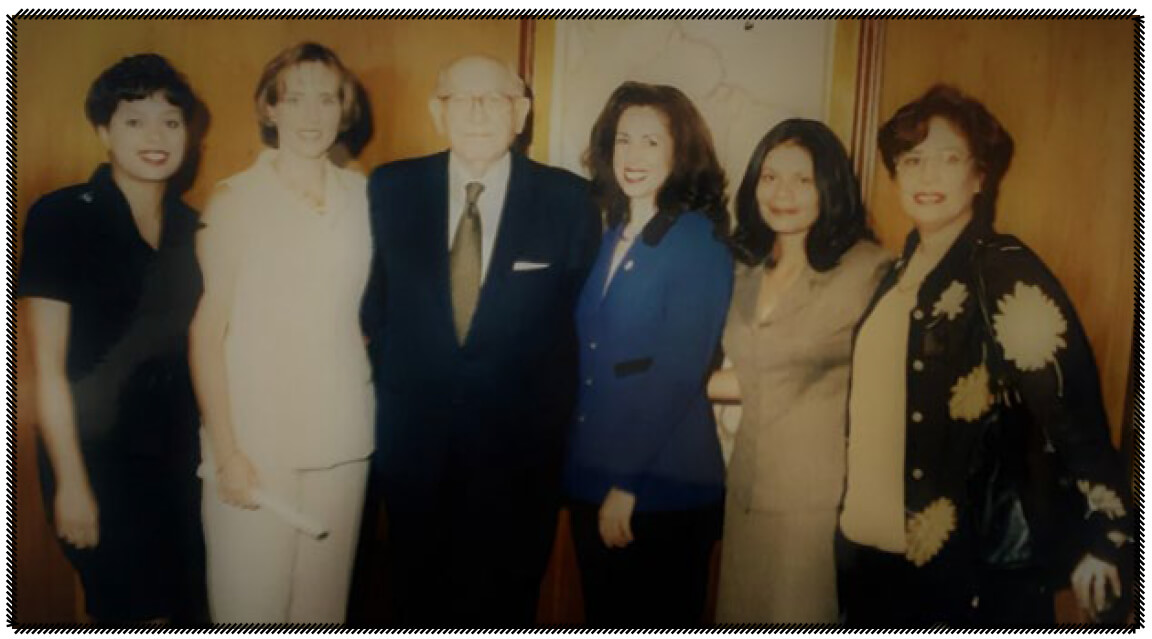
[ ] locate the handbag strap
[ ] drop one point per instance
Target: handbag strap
(998, 370)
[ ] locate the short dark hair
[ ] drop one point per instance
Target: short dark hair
(696, 182)
(990, 145)
(271, 86)
(138, 77)
(841, 221)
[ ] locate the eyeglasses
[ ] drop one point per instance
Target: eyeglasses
(490, 102)
(917, 162)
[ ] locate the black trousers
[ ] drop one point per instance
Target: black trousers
(879, 589)
(471, 549)
(149, 563)
(659, 580)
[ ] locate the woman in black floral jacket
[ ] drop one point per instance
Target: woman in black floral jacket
(978, 446)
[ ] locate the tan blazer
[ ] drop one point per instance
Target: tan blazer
(793, 371)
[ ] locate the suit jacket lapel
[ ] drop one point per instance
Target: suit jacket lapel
(746, 295)
(515, 221)
(796, 297)
(432, 247)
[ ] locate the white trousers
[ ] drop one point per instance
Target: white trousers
(262, 570)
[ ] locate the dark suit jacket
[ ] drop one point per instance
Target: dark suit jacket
(494, 409)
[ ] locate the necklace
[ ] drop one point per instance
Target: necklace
(312, 199)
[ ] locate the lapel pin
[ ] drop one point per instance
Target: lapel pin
(628, 265)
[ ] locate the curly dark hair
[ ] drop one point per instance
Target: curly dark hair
(990, 145)
(841, 221)
(138, 77)
(696, 182)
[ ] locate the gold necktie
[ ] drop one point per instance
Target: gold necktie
(464, 262)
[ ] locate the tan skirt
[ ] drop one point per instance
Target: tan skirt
(777, 567)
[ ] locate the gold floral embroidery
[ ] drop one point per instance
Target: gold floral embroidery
(951, 302)
(1101, 499)
(928, 529)
(1029, 327)
(970, 396)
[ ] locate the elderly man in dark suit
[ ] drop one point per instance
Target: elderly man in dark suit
(480, 254)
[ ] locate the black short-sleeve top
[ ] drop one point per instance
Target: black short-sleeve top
(131, 305)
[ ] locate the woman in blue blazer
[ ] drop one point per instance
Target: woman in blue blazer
(644, 469)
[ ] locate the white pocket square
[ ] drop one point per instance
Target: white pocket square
(529, 266)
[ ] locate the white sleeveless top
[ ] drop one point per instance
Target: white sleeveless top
(298, 374)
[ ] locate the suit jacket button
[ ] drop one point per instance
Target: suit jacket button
(917, 365)
(917, 416)
(917, 473)
(918, 314)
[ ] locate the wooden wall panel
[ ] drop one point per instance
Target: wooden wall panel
(43, 581)
(1064, 90)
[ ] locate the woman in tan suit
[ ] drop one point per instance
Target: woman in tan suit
(808, 269)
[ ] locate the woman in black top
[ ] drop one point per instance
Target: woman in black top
(111, 279)
(974, 398)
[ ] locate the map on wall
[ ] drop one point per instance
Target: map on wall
(743, 75)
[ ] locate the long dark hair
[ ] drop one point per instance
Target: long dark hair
(841, 221)
(696, 182)
(989, 143)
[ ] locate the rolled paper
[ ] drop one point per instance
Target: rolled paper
(285, 511)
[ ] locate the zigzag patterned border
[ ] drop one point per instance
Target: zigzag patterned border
(10, 339)
(725, 629)
(11, 363)
(1137, 350)
(586, 14)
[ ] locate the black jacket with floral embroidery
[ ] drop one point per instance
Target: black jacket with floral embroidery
(952, 396)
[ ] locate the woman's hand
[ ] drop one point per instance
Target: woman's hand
(616, 518)
(724, 387)
(1090, 581)
(236, 479)
(77, 520)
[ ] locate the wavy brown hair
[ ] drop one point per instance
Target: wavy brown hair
(696, 182)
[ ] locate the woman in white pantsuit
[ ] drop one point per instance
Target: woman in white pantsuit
(278, 358)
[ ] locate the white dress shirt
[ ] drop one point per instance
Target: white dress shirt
(490, 202)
